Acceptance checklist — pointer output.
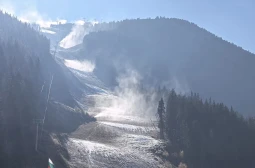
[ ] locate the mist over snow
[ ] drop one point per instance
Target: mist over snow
(128, 101)
(132, 100)
(43, 21)
(85, 65)
(29, 14)
(79, 30)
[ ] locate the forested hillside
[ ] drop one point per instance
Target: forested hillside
(26, 71)
(205, 134)
(167, 50)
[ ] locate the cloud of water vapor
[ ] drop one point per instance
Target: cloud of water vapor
(179, 85)
(28, 13)
(133, 98)
(75, 37)
(130, 101)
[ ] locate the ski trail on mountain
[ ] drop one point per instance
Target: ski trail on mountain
(118, 139)
(110, 144)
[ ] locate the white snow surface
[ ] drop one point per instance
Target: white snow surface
(119, 138)
(85, 65)
(127, 151)
(48, 31)
(130, 127)
(113, 144)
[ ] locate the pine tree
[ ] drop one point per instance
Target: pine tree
(161, 113)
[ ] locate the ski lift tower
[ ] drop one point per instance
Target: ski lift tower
(37, 122)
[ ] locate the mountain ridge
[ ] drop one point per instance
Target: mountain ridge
(183, 50)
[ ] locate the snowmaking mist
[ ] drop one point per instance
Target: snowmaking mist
(75, 37)
(132, 100)
(79, 30)
(129, 100)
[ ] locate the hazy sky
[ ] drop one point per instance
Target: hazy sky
(233, 20)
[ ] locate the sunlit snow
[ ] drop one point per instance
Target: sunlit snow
(48, 31)
(85, 66)
(130, 127)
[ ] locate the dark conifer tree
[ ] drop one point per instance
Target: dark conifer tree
(161, 113)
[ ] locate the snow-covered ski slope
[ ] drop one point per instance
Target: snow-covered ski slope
(117, 139)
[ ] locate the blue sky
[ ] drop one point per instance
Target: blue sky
(233, 20)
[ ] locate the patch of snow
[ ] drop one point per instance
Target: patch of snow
(48, 31)
(87, 78)
(129, 127)
(100, 90)
(68, 108)
(85, 65)
(90, 146)
(141, 142)
(92, 154)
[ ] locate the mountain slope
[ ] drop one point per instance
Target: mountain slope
(30, 81)
(176, 53)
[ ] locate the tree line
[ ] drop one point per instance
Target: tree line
(206, 134)
(26, 67)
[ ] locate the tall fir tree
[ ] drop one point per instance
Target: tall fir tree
(161, 113)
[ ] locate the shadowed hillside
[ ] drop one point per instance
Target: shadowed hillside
(161, 49)
(206, 134)
(26, 70)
